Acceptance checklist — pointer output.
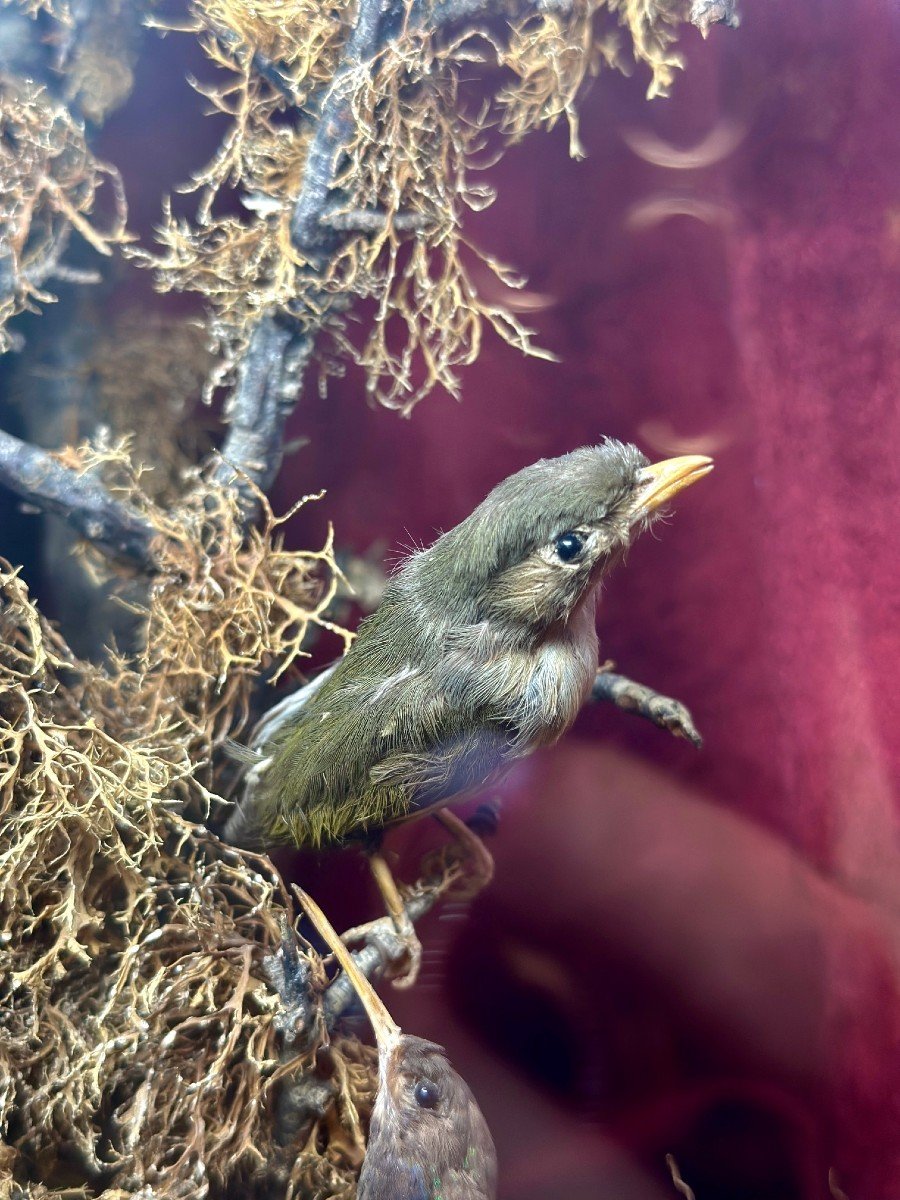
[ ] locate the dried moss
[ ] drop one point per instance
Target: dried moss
(408, 145)
(138, 1044)
(51, 183)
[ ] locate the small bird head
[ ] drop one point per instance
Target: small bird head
(543, 538)
(426, 1126)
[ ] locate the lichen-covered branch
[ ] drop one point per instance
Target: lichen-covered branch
(361, 193)
(150, 1016)
(379, 157)
(333, 131)
(128, 933)
(269, 377)
(44, 480)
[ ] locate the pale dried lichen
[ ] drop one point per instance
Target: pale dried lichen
(225, 603)
(408, 143)
(51, 183)
(138, 1045)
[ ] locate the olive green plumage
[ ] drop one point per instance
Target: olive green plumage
(482, 649)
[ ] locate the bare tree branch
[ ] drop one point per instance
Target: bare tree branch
(663, 711)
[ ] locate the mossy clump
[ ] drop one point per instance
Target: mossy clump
(407, 134)
(139, 1036)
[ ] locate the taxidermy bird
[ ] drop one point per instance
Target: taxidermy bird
(483, 649)
(427, 1138)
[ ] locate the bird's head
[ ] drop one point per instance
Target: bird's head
(426, 1122)
(425, 1111)
(543, 538)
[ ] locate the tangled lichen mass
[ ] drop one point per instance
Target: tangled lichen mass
(398, 172)
(138, 1028)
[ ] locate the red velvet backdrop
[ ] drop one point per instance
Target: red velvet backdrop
(682, 952)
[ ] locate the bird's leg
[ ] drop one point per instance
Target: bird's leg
(475, 854)
(636, 697)
(403, 926)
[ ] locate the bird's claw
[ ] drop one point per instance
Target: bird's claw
(473, 861)
(397, 942)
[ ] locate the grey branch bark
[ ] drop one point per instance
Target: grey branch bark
(269, 378)
(107, 523)
(271, 374)
(377, 955)
(335, 123)
(663, 711)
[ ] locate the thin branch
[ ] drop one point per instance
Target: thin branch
(382, 950)
(663, 711)
(333, 130)
(269, 379)
(452, 12)
(42, 480)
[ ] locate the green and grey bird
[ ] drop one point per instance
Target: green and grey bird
(483, 649)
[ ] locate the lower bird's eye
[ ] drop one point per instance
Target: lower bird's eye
(426, 1094)
(569, 545)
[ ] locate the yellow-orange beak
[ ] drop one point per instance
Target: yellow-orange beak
(659, 482)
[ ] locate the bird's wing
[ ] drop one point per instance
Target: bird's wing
(244, 826)
(290, 707)
(455, 763)
(382, 734)
(353, 763)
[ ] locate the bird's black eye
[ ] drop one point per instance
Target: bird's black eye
(427, 1094)
(569, 545)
